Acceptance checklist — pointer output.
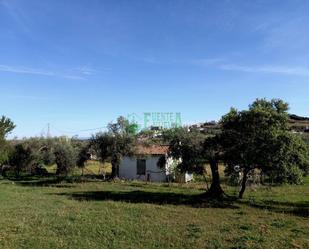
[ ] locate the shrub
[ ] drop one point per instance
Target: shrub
(65, 158)
(20, 158)
(295, 175)
(288, 174)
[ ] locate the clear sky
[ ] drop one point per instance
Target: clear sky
(78, 64)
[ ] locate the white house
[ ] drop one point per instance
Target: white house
(144, 166)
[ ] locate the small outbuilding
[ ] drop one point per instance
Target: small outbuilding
(143, 165)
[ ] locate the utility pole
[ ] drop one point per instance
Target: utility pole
(48, 130)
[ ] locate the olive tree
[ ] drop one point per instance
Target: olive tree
(259, 138)
(65, 158)
(117, 142)
(20, 158)
(193, 150)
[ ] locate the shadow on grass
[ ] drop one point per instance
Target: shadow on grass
(294, 208)
(159, 198)
(300, 209)
(51, 180)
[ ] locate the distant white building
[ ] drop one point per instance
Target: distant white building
(144, 166)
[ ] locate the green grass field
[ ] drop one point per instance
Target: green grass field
(49, 213)
(92, 168)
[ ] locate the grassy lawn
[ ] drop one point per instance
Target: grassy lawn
(45, 213)
(92, 168)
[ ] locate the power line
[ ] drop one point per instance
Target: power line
(78, 131)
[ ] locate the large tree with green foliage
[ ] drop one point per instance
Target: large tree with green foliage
(65, 158)
(193, 150)
(117, 142)
(259, 138)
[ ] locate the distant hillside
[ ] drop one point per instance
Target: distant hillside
(298, 123)
(298, 118)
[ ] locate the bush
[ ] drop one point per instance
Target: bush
(294, 175)
(65, 158)
(20, 159)
(289, 174)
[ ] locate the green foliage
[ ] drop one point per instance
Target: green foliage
(111, 146)
(249, 136)
(6, 126)
(293, 176)
(123, 126)
(4, 151)
(82, 157)
(65, 158)
(47, 155)
(260, 138)
(290, 160)
(20, 158)
(187, 147)
(42, 149)
(47, 150)
(193, 150)
(83, 152)
(305, 137)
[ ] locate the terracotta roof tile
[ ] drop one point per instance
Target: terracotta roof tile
(152, 150)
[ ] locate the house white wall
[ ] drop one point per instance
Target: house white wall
(128, 169)
(188, 177)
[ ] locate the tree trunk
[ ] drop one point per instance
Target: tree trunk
(205, 179)
(17, 172)
(113, 175)
(115, 170)
(243, 184)
(2, 169)
(215, 190)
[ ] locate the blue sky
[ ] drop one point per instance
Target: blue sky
(79, 64)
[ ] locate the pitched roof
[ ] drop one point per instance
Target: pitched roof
(152, 150)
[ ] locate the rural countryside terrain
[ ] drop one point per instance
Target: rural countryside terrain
(247, 192)
(154, 124)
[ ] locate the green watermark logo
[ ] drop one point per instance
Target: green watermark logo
(162, 120)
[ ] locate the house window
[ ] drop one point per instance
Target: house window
(141, 167)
